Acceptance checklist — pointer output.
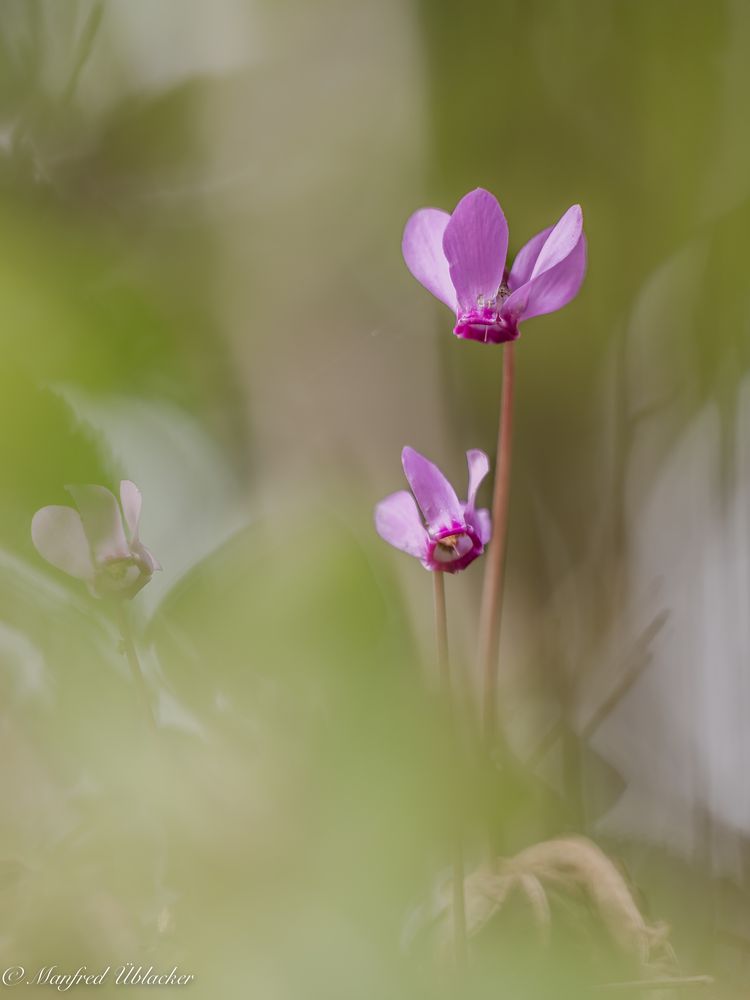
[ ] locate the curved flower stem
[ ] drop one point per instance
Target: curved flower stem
(441, 643)
(128, 645)
(492, 593)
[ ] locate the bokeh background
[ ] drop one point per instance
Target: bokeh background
(201, 289)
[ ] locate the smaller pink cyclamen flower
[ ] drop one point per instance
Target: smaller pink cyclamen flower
(98, 543)
(460, 258)
(455, 532)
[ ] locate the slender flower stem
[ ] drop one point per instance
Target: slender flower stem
(441, 643)
(492, 593)
(126, 633)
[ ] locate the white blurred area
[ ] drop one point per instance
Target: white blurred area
(679, 736)
(142, 45)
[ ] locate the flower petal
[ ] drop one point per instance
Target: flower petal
(58, 536)
(479, 466)
(422, 247)
(435, 495)
(554, 288)
(397, 521)
(561, 242)
(526, 257)
(102, 522)
(481, 522)
(131, 500)
(138, 548)
(476, 244)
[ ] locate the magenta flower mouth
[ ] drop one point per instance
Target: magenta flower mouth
(453, 549)
(485, 325)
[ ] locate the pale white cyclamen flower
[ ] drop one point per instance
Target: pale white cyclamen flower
(97, 543)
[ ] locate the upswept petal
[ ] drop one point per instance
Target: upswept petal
(58, 536)
(436, 497)
(138, 548)
(397, 521)
(422, 247)
(561, 242)
(526, 258)
(102, 522)
(554, 288)
(482, 524)
(131, 500)
(475, 245)
(479, 466)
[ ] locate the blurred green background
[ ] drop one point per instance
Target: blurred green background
(201, 289)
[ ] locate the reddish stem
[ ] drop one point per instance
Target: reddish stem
(441, 643)
(492, 593)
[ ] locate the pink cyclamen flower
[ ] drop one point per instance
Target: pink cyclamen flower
(460, 258)
(98, 543)
(455, 533)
